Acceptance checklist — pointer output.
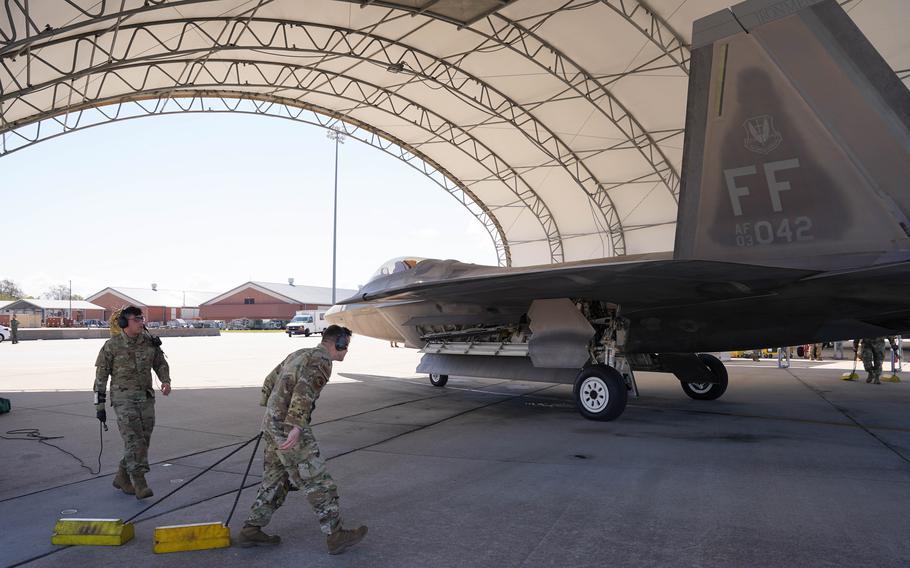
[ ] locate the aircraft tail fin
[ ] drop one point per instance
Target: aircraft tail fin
(797, 148)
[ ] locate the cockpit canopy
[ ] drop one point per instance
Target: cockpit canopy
(396, 265)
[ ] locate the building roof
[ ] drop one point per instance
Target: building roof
(149, 297)
(4, 303)
(52, 305)
(290, 293)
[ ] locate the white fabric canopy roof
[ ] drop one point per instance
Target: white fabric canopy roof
(559, 123)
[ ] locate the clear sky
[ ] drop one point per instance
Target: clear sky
(207, 202)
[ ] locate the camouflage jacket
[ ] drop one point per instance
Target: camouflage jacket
(129, 363)
(292, 388)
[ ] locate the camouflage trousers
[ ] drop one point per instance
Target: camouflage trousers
(305, 468)
(135, 420)
(873, 355)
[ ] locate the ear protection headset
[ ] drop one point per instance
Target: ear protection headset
(122, 321)
(343, 340)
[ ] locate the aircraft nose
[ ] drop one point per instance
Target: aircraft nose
(334, 315)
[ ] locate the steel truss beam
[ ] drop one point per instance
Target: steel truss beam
(297, 37)
(522, 40)
(643, 18)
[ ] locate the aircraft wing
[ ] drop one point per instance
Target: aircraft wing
(632, 284)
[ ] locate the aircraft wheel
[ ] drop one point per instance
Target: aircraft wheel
(438, 380)
(708, 391)
(600, 393)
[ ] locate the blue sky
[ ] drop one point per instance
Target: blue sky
(206, 202)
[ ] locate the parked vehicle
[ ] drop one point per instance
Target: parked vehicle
(307, 322)
(93, 323)
(5, 333)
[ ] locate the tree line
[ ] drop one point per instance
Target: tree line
(10, 290)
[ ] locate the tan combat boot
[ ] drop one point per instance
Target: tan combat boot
(141, 487)
(253, 536)
(342, 539)
(122, 481)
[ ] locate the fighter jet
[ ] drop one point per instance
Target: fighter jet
(792, 228)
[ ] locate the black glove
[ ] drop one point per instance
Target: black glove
(100, 412)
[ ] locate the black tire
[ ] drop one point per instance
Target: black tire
(708, 391)
(306, 333)
(438, 380)
(600, 393)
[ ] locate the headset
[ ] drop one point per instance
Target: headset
(122, 321)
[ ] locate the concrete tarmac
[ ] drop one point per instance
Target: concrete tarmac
(790, 467)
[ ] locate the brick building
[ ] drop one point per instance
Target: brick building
(268, 300)
(157, 305)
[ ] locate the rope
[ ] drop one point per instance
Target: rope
(195, 477)
(34, 434)
(243, 481)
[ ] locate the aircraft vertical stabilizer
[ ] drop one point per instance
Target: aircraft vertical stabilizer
(797, 149)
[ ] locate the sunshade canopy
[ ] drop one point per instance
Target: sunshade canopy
(559, 124)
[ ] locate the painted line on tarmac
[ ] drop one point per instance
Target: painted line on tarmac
(850, 417)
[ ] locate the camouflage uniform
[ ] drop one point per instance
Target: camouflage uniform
(14, 327)
(289, 395)
(129, 363)
(873, 353)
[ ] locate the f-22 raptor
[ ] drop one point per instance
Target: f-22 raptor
(792, 228)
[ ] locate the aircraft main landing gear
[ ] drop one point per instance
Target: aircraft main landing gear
(705, 390)
(438, 380)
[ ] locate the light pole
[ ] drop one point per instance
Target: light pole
(335, 133)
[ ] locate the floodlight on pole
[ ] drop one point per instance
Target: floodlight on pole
(335, 133)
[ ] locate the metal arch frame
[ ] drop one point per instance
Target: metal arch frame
(429, 121)
(528, 44)
(199, 103)
(426, 119)
(646, 20)
(460, 83)
(524, 41)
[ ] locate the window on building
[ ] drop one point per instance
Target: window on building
(249, 300)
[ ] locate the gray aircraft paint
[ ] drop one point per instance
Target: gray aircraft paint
(792, 225)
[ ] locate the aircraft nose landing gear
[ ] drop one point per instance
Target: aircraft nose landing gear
(600, 393)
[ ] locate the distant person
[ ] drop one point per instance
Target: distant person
(128, 358)
(873, 353)
(815, 351)
(291, 453)
(14, 328)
